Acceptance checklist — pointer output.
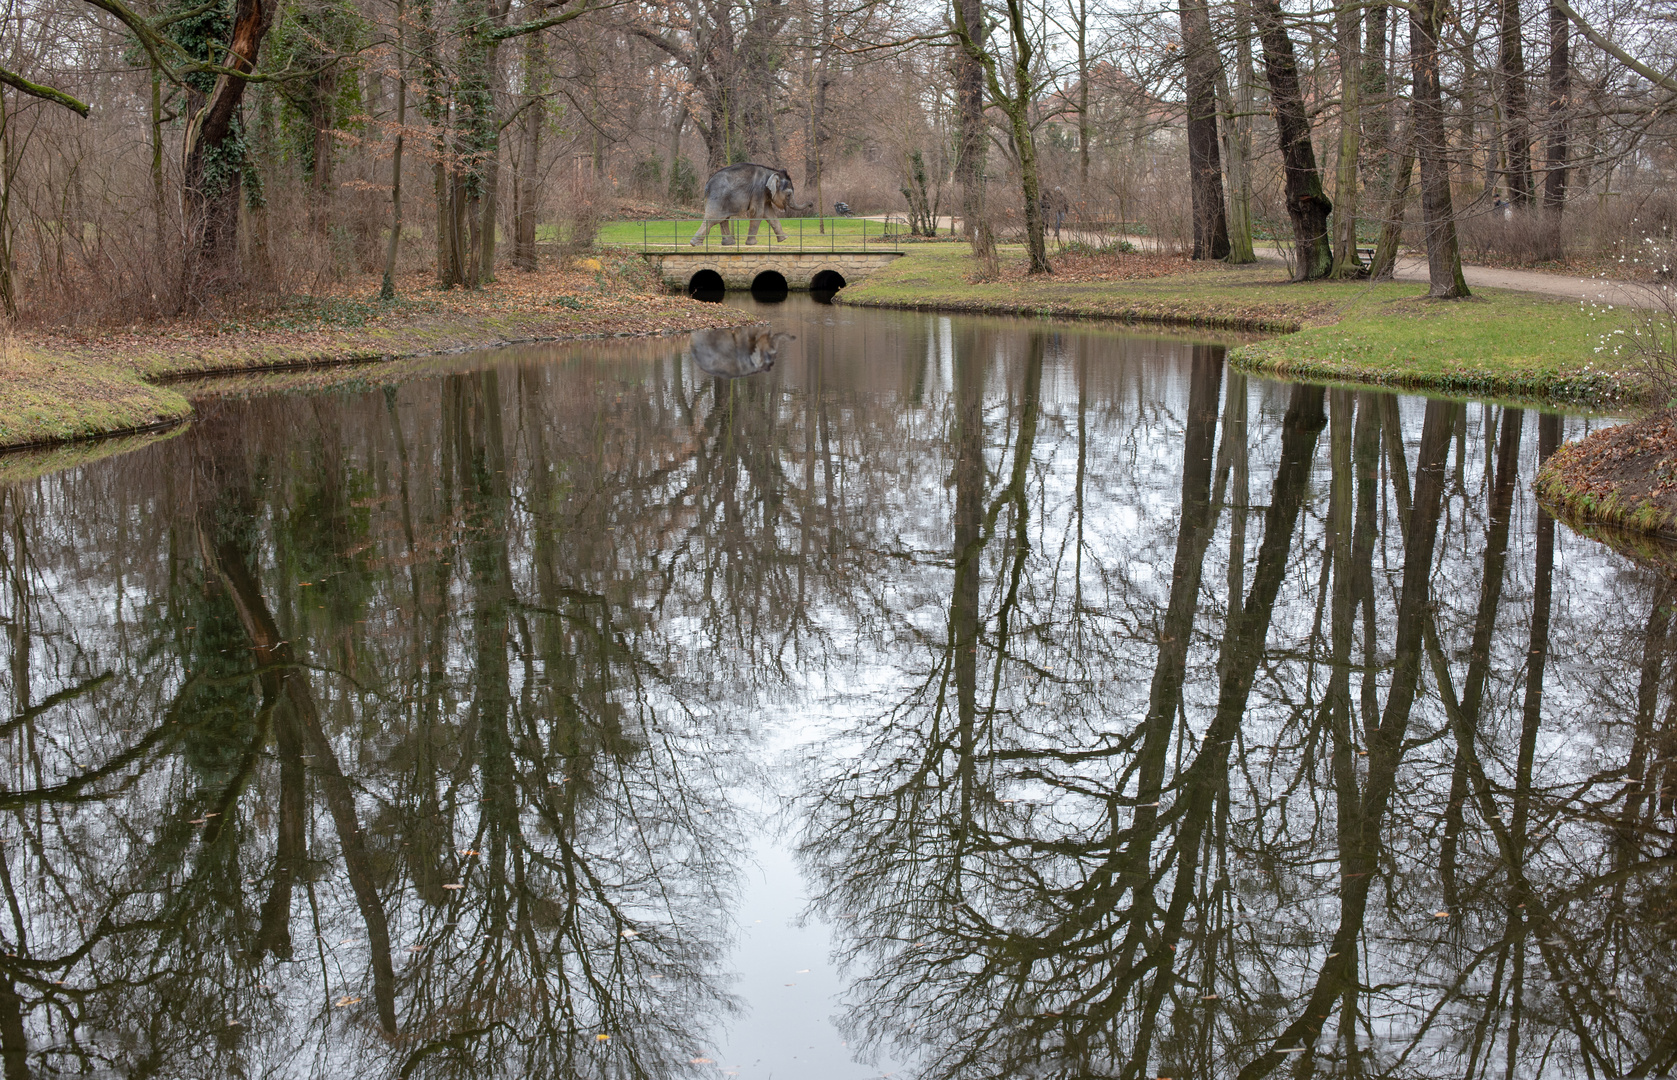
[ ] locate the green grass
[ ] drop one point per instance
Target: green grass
(842, 231)
(48, 398)
(1498, 343)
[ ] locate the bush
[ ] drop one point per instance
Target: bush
(1651, 342)
(684, 183)
(647, 176)
(1107, 246)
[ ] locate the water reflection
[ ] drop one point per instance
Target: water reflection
(738, 351)
(1153, 721)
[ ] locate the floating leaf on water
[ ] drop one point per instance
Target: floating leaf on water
(631, 933)
(1292, 1050)
(700, 1061)
(601, 1037)
(454, 885)
(416, 948)
(1210, 997)
(345, 1001)
(1441, 914)
(468, 851)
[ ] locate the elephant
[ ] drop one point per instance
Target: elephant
(746, 191)
(737, 352)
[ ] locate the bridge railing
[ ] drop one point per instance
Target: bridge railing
(831, 234)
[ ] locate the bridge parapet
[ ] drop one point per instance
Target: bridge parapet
(738, 269)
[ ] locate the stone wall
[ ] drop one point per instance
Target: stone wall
(738, 269)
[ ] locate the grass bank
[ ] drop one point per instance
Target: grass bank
(1621, 478)
(58, 388)
(1498, 343)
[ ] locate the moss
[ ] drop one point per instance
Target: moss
(48, 397)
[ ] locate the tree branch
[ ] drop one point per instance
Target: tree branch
(1625, 58)
(45, 93)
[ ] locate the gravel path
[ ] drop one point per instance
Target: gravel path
(1571, 286)
(1414, 268)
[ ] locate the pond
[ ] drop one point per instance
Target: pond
(955, 697)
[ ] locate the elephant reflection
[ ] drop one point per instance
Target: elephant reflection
(737, 352)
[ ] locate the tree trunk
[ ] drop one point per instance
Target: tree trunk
(1307, 203)
(1556, 149)
(214, 161)
(488, 217)
(1377, 108)
(527, 184)
(973, 138)
(1348, 24)
(1517, 142)
(1205, 170)
(819, 79)
(387, 290)
(322, 118)
(676, 129)
(1444, 259)
(1018, 115)
(1391, 227)
(1083, 98)
(157, 201)
(1237, 140)
(8, 291)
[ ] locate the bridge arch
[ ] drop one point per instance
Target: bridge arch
(715, 272)
(825, 283)
(706, 284)
(769, 286)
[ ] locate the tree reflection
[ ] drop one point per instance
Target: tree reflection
(1248, 872)
(1176, 723)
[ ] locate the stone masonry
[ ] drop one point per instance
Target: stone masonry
(738, 269)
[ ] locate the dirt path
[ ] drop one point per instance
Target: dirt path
(1571, 286)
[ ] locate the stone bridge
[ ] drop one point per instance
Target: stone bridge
(711, 270)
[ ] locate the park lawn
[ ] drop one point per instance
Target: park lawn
(840, 231)
(1497, 343)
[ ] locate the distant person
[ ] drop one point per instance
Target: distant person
(1055, 206)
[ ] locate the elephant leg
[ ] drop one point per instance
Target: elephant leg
(774, 223)
(728, 232)
(751, 234)
(704, 230)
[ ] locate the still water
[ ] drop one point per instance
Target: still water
(954, 698)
